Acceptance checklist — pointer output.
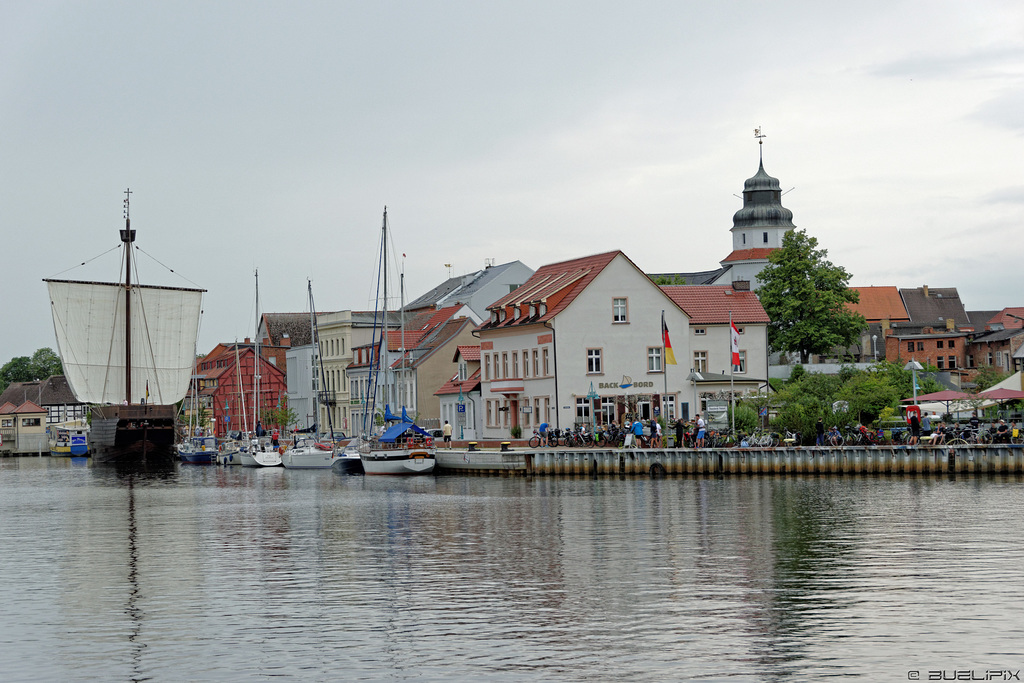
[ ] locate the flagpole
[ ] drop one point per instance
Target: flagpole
(664, 358)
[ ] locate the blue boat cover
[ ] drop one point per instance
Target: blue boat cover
(405, 415)
(388, 415)
(395, 431)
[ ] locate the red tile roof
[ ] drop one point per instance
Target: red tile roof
(711, 304)
(469, 353)
(879, 303)
(30, 407)
(453, 386)
(7, 408)
(555, 285)
(757, 254)
(1008, 322)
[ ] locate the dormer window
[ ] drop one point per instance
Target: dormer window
(533, 310)
(518, 311)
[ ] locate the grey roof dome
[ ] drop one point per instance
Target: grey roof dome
(762, 204)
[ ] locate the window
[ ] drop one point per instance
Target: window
(504, 364)
(462, 371)
(699, 331)
(739, 330)
(526, 363)
(547, 368)
(536, 369)
(668, 407)
(766, 238)
(490, 412)
(619, 312)
(582, 409)
(989, 358)
(653, 359)
(938, 344)
(700, 361)
(940, 363)
(607, 410)
(952, 343)
(910, 346)
(487, 367)
(742, 367)
(920, 346)
(593, 361)
(952, 363)
(30, 422)
(515, 364)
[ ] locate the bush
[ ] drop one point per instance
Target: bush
(516, 431)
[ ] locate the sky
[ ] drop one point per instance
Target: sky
(270, 135)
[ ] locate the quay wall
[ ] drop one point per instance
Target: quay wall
(853, 460)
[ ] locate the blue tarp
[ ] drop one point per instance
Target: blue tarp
(389, 416)
(405, 415)
(397, 430)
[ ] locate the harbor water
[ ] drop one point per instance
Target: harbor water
(237, 574)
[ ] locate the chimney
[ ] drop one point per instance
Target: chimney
(885, 328)
(741, 285)
(950, 324)
(924, 288)
(247, 341)
(286, 341)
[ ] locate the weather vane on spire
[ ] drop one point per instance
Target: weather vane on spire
(760, 141)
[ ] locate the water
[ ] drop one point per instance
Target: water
(235, 574)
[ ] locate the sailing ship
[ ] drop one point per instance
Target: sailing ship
(258, 452)
(310, 452)
(403, 448)
(128, 349)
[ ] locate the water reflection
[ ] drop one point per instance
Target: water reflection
(237, 573)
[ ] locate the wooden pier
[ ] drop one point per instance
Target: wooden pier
(851, 460)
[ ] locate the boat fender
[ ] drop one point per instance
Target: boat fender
(280, 450)
(323, 447)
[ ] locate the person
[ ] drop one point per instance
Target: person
(544, 433)
(638, 432)
(680, 426)
(447, 432)
(940, 434)
(820, 427)
(260, 431)
(975, 423)
(655, 434)
(915, 429)
(926, 426)
(834, 437)
(275, 437)
(700, 432)
(1002, 432)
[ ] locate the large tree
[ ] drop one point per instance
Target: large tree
(805, 295)
(43, 363)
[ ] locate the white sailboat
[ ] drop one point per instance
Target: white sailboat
(120, 341)
(258, 452)
(403, 448)
(310, 452)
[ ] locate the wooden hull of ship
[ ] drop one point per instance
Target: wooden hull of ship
(134, 433)
(399, 461)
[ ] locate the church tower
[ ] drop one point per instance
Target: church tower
(758, 227)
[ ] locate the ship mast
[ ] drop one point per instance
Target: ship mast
(127, 237)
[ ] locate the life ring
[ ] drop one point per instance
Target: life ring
(913, 409)
(429, 441)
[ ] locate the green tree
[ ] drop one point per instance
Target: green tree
(805, 296)
(669, 280)
(42, 364)
(988, 376)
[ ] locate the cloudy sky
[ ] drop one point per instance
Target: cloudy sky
(270, 135)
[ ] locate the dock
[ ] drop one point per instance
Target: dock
(847, 460)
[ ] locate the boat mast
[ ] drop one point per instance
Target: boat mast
(318, 364)
(384, 336)
(256, 360)
(127, 237)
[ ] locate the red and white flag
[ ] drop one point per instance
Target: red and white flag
(735, 344)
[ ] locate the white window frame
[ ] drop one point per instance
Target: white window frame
(700, 361)
(620, 310)
(595, 358)
(654, 359)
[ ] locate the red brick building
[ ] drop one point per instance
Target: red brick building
(226, 387)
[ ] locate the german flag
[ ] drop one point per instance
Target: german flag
(670, 358)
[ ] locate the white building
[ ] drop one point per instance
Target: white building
(582, 342)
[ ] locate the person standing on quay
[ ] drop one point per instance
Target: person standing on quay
(915, 429)
(680, 426)
(821, 433)
(700, 432)
(446, 431)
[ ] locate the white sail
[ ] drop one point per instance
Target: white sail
(88, 318)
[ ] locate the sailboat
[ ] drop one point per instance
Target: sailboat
(119, 341)
(197, 448)
(308, 451)
(403, 448)
(258, 453)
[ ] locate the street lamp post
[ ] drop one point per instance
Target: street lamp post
(914, 366)
(695, 377)
(874, 346)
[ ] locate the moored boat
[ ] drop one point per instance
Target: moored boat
(198, 450)
(70, 441)
(403, 449)
(129, 350)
